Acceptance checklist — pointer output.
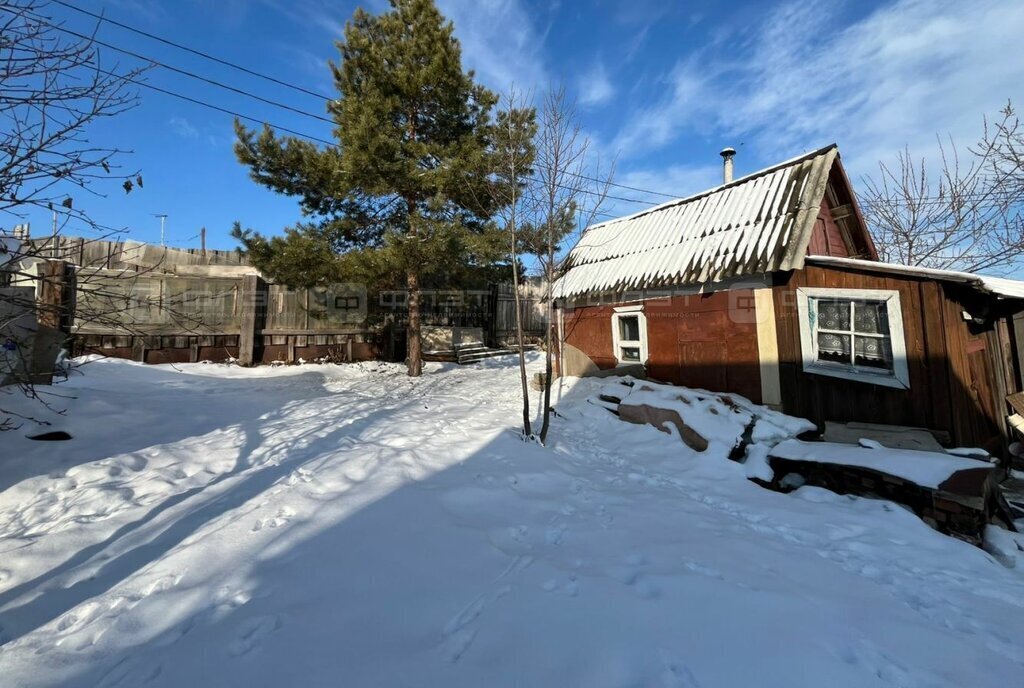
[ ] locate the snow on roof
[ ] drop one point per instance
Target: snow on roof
(759, 223)
(10, 248)
(1002, 287)
(927, 469)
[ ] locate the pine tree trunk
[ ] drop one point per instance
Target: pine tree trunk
(414, 353)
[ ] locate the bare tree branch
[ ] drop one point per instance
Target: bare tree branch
(53, 89)
(569, 191)
(967, 215)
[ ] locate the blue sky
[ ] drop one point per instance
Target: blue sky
(663, 85)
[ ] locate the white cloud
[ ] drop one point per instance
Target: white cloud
(182, 127)
(677, 181)
(800, 80)
(500, 41)
(595, 87)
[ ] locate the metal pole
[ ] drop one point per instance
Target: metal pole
(53, 239)
(163, 217)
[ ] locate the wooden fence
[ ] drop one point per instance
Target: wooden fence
(158, 305)
(158, 317)
(532, 308)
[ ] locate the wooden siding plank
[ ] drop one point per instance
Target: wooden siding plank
(964, 395)
(936, 366)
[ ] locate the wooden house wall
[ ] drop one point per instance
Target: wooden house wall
(707, 341)
(827, 238)
(953, 383)
(960, 369)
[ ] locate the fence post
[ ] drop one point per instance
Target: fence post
(53, 294)
(54, 299)
(253, 295)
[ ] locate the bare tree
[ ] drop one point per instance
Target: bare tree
(570, 187)
(966, 214)
(515, 153)
(53, 88)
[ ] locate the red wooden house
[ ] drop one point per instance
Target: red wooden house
(769, 286)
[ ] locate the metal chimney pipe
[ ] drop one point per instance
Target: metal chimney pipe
(727, 156)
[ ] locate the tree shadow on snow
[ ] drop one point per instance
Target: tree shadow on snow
(141, 546)
(156, 404)
(349, 580)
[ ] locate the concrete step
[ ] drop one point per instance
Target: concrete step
(481, 355)
(446, 356)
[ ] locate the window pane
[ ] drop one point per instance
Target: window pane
(871, 316)
(833, 315)
(873, 352)
(629, 353)
(834, 347)
(629, 328)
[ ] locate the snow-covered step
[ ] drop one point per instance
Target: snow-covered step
(479, 354)
(444, 356)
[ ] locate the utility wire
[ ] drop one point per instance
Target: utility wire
(213, 82)
(192, 75)
(194, 51)
(218, 108)
(924, 201)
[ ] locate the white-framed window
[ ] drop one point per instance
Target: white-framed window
(629, 335)
(856, 334)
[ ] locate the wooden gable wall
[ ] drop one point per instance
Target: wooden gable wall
(840, 229)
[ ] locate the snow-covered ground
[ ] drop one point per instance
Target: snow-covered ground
(348, 526)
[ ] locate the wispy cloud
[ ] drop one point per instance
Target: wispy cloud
(183, 128)
(150, 10)
(328, 18)
(893, 78)
(500, 41)
(595, 87)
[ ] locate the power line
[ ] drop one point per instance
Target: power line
(194, 51)
(192, 75)
(924, 201)
(208, 56)
(218, 108)
(331, 143)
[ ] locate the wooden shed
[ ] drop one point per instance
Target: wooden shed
(769, 286)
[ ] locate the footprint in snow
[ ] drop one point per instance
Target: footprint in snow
(131, 671)
(458, 643)
(703, 570)
(284, 515)
(459, 636)
(679, 675)
(647, 589)
(555, 534)
(629, 573)
(299, 475)
(78, 617)
(251, 634)
(571, 587)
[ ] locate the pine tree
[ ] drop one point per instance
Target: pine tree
(408, 180)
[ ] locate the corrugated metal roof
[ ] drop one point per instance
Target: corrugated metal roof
(756, 224)
(1000, 286)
